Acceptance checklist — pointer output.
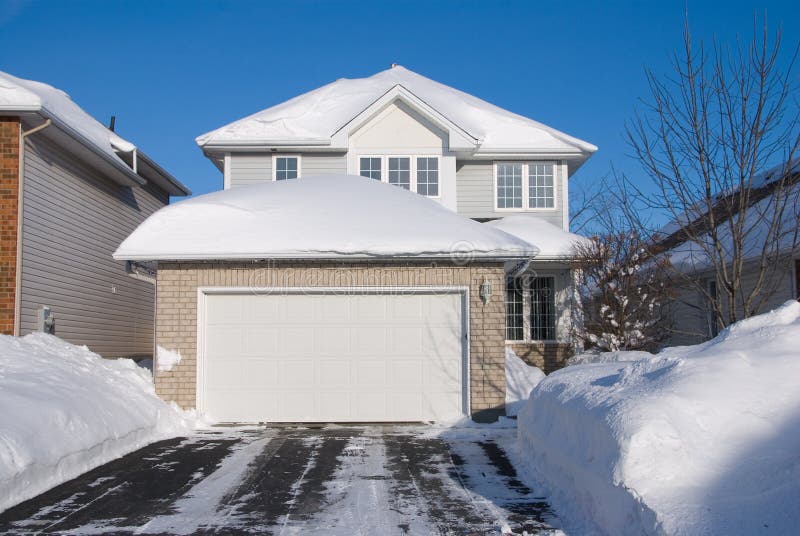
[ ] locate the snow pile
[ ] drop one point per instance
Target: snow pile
(328, 216)
(521, 378)
(319, 114)
(166, 359)
(695, 440)
(553, 242)
(20, 95)
(608, 357)
(66, 410)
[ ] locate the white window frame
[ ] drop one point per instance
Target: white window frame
(526, 185)
(275, 164)
(413, 169)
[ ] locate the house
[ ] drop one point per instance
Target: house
(764, 237)
(70, 191)
(374, 298)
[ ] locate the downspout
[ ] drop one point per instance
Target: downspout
(20, 208)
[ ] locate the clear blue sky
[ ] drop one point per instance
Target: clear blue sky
(171, 71)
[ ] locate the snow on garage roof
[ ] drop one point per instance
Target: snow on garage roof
(330, 216)
(319, 114)
(552, 241)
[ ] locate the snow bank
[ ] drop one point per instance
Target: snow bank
(553, 242)
(608, 357)
(66, 410)
(695, 440)
(319, 114)
(521, 378)
(328, 216)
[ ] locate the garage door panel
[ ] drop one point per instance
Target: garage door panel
(328, 357)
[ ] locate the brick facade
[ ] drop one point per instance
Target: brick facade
(176, 317)
(546, 355)
(9, 196)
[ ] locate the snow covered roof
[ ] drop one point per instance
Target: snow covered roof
(21, 96)
(552, 241)
(314, 118)
(329, 216)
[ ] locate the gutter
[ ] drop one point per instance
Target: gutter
(20, 209)
(326, 257)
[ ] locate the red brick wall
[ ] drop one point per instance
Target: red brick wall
(9, 191)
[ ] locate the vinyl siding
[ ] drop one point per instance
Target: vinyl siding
(74, 219)
(689, 311)
(476, 197)
(255, 168)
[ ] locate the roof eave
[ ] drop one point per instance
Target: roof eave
(498, 257)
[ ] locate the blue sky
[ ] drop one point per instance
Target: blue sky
(171, 71)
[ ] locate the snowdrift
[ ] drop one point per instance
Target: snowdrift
(694, 440)
(66, 410)
(521, 378)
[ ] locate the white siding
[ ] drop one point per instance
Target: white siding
(476, 196)
(74, 219)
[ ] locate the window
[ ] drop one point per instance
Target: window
(428, 176)
(525, 185)
(509, 185)
(400, 172)
(541, 192)
(713, 327)
(543, 309)
(286, 167)
(370, 167)
(515, 325)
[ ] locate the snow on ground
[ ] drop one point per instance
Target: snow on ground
(66, 410)
(330, 216)
(521, 378)
(553, 242)
(608, 357)
(695, 440)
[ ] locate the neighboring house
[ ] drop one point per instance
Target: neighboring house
(70, 191)
(465, 157)
(690, 310)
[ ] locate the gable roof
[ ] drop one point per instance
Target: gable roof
(21, 97)
(315, 118)
(323, 217)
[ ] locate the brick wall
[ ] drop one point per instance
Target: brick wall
(9, 192)
(176, 318)
(545, 355)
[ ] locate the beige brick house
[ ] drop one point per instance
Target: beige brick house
(369, 289)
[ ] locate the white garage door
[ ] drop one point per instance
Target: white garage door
(333, 358)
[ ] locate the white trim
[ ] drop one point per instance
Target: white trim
(563, 168)
(226, 171)
(463, 290)
(298, 157)
(412, 168)
(525, 185)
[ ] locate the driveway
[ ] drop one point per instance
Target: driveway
(299, 480)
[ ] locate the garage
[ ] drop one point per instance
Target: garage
(328, 355)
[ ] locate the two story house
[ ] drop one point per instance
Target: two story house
(70, 191)
(428, 146)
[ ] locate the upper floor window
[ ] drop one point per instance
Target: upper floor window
(285, 167)
(525, 185)
(418, 173)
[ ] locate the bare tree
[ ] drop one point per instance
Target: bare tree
(718, 141)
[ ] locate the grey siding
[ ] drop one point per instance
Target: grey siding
(255, 168)
(475, 193)
(74, 219)
(689, 311)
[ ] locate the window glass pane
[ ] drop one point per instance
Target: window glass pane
(514, 316)
(543, 309)
(400, 172)
(428, 176)
(370, 167)
(285, 168)
(541, 191)
(509, 185)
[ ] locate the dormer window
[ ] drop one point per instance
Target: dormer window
(416, 173)
(285, 167)
(525, 186)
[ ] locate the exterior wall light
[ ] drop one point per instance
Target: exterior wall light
(485, 291)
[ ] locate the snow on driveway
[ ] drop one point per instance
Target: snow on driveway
(298, 480)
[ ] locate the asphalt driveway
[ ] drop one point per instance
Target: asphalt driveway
(299, 480)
